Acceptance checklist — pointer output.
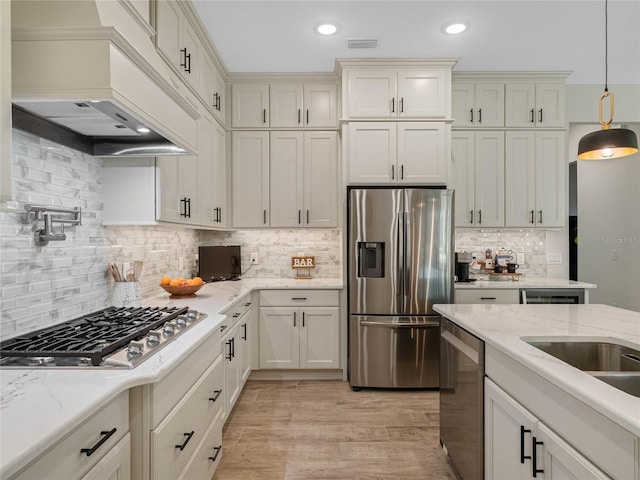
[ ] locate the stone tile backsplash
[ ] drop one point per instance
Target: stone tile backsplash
(41, 286)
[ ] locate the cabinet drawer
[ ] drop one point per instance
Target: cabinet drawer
(66, 460)
(176, 438)
(238, 309)
(298, 298)
(170, 390)
(487, 296)
(204, 462)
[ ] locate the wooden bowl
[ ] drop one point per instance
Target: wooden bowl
(182, 290)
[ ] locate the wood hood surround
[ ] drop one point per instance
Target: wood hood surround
(97, 50)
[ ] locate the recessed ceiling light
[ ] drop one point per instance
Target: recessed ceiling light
(143, 130)
(455, 28)
(327, 29)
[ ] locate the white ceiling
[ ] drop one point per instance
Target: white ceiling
(507, 35)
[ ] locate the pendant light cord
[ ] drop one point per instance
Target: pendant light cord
(606, 47)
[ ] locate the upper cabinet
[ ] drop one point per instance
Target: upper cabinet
(284, 105)
(535, 104)
(178, 40)
(478, 104)
(409, 92)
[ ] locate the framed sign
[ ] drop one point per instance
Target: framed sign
(300, 264)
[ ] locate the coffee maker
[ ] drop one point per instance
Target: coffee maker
(463, 259)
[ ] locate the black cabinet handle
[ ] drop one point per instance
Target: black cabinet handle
(188, 215)
(298, 116)
(532, 220)
(183, 207)
(488, 298)
(471, 217)
(540, 116)
(248, 304)
(105, 436)
(540, 215)
(188, 69)
(401, 172)
(244, 331)
(186, 440)
(479, 217)
(299, 217)
(479, 115)
(401, 104)
(264, 217)
(534, 467)
(303, 319)
(230, 356)
(183, 63)
(307, 116)
(393, 172)
(215, 455)
(216, 394)
(471, 116)
(523, 457)
(532, 114)
(236, 315)
(294, 319)
(298, 298)
(233, 347)
(307, 217)
(264, 115)
(393, 104)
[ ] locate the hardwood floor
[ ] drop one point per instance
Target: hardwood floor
(323, 430)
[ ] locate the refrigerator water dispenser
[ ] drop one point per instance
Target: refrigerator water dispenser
(371, 259)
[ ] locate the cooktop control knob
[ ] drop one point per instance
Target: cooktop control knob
(154, 336)
(169, 328)
(192, 314)
(135, 349)
(181, 321)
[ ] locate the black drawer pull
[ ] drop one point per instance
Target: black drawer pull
(534, 466)
(488, 298)
(298, 298)
(106, 435)
(216, 394)
(248, 304)
(244, 334)
(523, 457)
(215, 455)
(186, 440)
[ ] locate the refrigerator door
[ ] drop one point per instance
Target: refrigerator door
(394, 351)
(375, 263)
(427, 250)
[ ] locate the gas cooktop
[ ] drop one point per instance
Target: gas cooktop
(113, 337)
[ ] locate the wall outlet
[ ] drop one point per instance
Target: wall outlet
(253, 258)
(554, 258)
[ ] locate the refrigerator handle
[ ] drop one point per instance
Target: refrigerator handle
(404, 255)
(399, 256)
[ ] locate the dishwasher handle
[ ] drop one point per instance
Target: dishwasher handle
(382, 323)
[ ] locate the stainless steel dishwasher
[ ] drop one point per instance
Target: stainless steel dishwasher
(462, 399)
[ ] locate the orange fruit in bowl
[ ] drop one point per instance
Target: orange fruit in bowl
(165, 280)
(191, 282)
(198, 281)
(175, 283)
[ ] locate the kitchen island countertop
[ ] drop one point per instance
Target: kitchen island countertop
(503, 327)
(40, 406)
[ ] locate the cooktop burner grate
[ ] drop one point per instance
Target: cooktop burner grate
(92, 336)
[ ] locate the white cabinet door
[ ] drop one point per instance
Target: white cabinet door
(372, 93)
(463, 176)
(169, 30)
(231, 361)
(372, 152)
(279, 337)
(559, 461)
(250, 105)
(286, 182)
(421, 153)
(550, 167)
(219, 178)
(320, 179)
(320, 105)
(550, 105)
(115, 465)
(250, 164)
(320, 337)
(520, 104)
(192, 56)
(489, 179)
(489, 105)
(244, 345)
(286, 105)
(202, 206)
(422, 93)
(206, 73)
(219, 96)
(535, 173)
(170, 204)
(508, 436)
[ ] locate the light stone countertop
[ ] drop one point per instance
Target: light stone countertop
(40, 406)
(523, 283)
(503, 327)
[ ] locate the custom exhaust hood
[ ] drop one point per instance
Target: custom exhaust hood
(87, 75)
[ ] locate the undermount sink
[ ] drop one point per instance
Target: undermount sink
(612, 363)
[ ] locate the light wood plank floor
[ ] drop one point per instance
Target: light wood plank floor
(323, 430)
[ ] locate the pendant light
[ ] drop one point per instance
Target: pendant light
(607, 142)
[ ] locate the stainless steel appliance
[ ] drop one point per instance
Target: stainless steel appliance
(462, 399)
(400, 263)
(113, 337)
(552, 295)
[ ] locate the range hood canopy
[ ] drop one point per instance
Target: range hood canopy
(94, 71)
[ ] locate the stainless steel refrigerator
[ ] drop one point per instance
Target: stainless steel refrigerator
(400, 263)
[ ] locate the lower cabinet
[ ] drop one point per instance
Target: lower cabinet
(519, 446)
(97, 449)
(487, 295)
(303, 331)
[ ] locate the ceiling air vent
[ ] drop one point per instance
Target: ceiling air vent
(362, 43)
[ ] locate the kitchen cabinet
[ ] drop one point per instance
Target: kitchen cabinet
(529, 104)
(249, 105)
(487, 296)
(5, 102)
(397, 152)
(299, 329)
(477, 175)
(477, 104)
(409, 92)
(519, 445)
(304, 179)
(535, 179)
(232, 388)
(94, 449)
(250, 178)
